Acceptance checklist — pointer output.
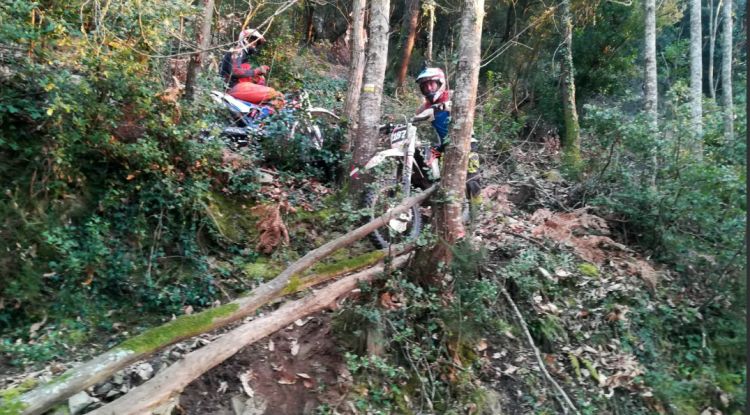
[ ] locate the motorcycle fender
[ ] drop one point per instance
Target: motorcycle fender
(378, 158)
(318, 110)
(231, 102)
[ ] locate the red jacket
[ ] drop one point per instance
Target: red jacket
(236, 68)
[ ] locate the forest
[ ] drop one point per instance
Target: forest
(373, 207)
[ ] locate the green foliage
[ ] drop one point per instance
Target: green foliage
(110, 201)
(384, 382)
(10, 403)
(694, 353)
(695, 194)
(497, 125)
(691, 219)
(606, 52)
(589, 270)
(426, 338)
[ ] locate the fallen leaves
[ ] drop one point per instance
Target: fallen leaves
(618, 314)
(390, 301)
(294, 347)
(273, 231)
(610, 369)
(245, 378)
(498, 196)
(286, 378)
(307, 381)
(587, 234)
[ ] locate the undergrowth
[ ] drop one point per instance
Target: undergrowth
(116, 212)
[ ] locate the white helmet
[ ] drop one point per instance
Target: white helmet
(250, 40)
(432, 74)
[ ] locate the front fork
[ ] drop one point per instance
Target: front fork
(408, 163)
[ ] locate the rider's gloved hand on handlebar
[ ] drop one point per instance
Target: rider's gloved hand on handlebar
(387, 128)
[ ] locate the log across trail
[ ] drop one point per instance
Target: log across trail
(169, 383)
(103, 366)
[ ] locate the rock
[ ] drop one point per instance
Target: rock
(103, 389)
(265, 178)
(144, 371)
(80, 401)
(241, 405)
(119, 378)
(113, 394)
(492, 402)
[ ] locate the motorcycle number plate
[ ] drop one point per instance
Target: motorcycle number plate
(398, 136)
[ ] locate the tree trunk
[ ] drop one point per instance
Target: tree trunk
(175, 378)
(696, 73)
(204, 41)
(309, 27)
(572, 140)
(356, 69)
(365, 141)
(649, 87)
(98, 369)
(429, 7)
(449, 221)
(713, 26)
(410, 32)
(726, 72)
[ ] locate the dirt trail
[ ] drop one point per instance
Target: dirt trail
(293, 372)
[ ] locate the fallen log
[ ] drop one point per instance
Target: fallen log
(130, 351)
(167, 384)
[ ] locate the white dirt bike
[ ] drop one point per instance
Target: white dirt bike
(248, 118)
(407, 162)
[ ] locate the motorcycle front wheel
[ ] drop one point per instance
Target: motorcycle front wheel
(401, 228)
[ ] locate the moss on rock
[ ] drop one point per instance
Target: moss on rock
(262, 270)
(233, 219)
(589, 270)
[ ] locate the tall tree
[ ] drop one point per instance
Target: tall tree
(649, 58)
(696, 69)
(356, 68)
(726, 71)
(449, 223)
(410, 32)
(204, 41)
(572, 140)
(363, 147)
(713, 26)
(649, 86)
(429, 9)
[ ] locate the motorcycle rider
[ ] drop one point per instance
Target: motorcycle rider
(244, 81)
(238, 65)
(433, 86)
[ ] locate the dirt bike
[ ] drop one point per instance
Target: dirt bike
(248, 119)
(407, 162)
